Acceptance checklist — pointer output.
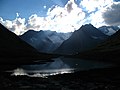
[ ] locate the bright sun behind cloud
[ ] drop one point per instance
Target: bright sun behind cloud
(62, 19)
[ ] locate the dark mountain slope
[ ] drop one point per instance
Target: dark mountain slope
(14, 50)
(107, 51)
(81, 40)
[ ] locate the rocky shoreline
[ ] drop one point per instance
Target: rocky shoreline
(97, 79)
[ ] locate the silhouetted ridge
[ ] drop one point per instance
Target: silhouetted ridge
(116, 35)
(107, 51)
(12, 43)
(91, 30)
(81, 40)
(14, 50)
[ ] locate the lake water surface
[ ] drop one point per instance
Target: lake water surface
(60, 65)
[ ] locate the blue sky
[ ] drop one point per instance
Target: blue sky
(20, 16)
(9, 8)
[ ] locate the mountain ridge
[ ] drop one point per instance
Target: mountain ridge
(44, 41)
(83, 39)
(108, 51)
(15, 51)
(109, 30)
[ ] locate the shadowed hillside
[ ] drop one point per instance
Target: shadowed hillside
(14, 50)
(107, 51)
(85, 38)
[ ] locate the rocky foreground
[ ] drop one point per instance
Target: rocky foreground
(99, 79)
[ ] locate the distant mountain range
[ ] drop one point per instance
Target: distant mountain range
(108, 30)
(14, 50)
(45, 41)
(83, 39)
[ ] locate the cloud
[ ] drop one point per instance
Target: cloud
(61, 19)
(44, 7)
(68, 18)
(17, 26)
(92, 5)
(17, 14)
(112, 14)
(96, 19)
(99, 12)
(69, 6)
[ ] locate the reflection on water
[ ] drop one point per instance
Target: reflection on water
(59, 66)
(41, 73)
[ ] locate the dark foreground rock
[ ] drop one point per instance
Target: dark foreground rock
(99, 79)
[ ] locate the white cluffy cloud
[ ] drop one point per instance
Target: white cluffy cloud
(92, 5)
(17, 25)
(95, 10)
(63, 19)
(58, 19)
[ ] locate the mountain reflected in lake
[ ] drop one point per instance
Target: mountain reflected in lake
(60, 65)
